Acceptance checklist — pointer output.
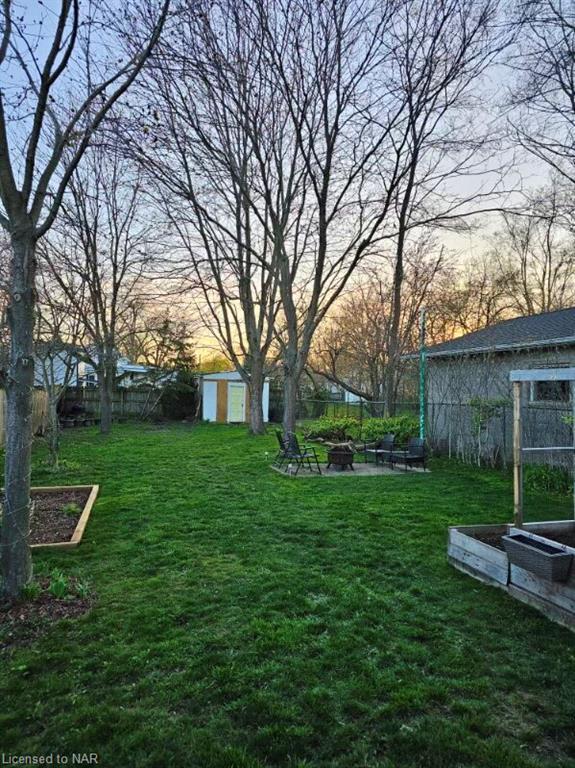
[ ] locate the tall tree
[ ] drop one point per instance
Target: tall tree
(440, 52)
(212, 131)
(380, 103)
(59, 80)
(100, 253)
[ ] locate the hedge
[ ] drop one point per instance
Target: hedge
(349, 428)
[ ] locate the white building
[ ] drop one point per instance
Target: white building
(225, 398)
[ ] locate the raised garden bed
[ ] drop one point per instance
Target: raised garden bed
(527, 571)
(60, 515)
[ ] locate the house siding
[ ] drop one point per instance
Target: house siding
(453, 422)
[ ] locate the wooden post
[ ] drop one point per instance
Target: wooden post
(517, 457)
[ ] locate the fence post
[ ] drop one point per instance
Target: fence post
(517, 457)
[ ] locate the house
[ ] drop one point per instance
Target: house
(468, 391)
(130, 374)
(67, 364)
(338, 392)
(225, 398)
(58, 365)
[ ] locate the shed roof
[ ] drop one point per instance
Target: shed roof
(549, 329)
(224, 376)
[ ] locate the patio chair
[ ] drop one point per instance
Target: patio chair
(299, 454)
(281, 454)
(380, 449)
(415, 453)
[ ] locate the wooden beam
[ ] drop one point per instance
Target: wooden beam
(517, 457)
(543, 374)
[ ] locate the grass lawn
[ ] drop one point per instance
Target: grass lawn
(248, 619)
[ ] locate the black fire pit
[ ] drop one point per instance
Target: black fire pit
(341, 456)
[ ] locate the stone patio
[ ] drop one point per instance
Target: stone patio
(359, 470)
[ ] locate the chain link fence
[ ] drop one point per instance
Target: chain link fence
(479, 433)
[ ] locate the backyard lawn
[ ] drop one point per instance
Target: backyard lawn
(245, 619)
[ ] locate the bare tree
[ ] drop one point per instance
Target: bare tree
(56, 90)
(213, 132)
(328, 62)
(465, 299)
(100, 254)
(535, 255)
(4, 301)
(544, 93)
(162, 339)
(352, 350)
(440, 52)
(379, 99)
(57, 353)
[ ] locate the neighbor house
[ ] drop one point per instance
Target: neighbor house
(468, 388)
(129, 374)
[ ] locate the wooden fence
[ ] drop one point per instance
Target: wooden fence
(125, 402)
(39, 413)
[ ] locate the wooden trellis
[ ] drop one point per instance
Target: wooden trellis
(518, 380)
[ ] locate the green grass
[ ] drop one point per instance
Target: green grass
(248, 619)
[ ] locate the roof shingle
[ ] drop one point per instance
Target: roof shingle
(546, 329)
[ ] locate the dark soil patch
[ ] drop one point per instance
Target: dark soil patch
(24, 621)
(494, 540)
(564, 537)
(49, 523)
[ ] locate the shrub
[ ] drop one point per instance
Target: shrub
(349, 428)
(403, 427)
(328, 428)
(180, 397)
(546, 479)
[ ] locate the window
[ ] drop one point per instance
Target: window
(551, 391)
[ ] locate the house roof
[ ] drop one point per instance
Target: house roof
(549, 329)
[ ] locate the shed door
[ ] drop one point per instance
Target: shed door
(236, 402)
(210, 400)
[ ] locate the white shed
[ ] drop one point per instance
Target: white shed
(226, 399)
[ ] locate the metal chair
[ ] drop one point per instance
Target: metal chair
(281, 454)
(299, 455)
(382, 449)
(415, 453)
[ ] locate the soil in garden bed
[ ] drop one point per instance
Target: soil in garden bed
(49, 523)
(494, 539)
(23, 621)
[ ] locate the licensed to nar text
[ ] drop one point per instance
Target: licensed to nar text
(76, 758)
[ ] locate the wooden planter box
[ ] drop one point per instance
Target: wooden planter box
(545, 559)
(556, 599)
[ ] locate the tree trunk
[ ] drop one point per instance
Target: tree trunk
(107, 381)
(53, 435)
(393, 344)
(290, 399)
(256, 387)
(16, 555)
